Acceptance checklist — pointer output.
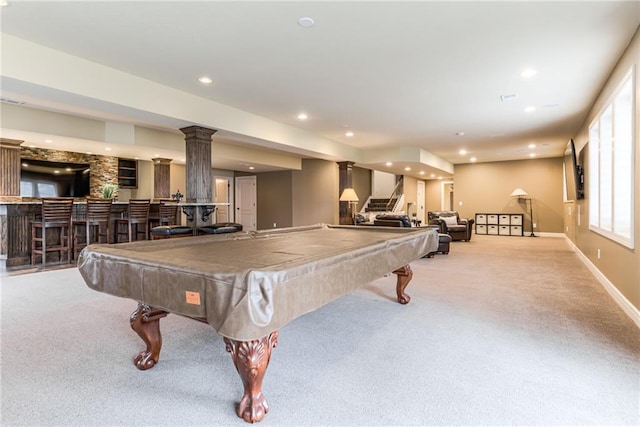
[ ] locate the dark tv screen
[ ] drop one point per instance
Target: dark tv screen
(573, 173)
(43, 178)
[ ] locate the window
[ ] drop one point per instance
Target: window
(611, 166)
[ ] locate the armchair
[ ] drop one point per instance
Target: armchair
(449, 222)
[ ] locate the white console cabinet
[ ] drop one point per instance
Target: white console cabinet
(499, 224)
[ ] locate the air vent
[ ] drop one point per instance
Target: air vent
(509, 97)
(11, 101)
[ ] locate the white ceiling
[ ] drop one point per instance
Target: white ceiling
(405, 77)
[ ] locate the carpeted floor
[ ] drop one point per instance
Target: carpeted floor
(502, 331)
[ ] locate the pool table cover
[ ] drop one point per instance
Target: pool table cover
(248, 284)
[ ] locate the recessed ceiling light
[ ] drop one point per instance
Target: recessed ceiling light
(389, 164)
(136, 158)
(251, 168)
(205, 80)
(89, 152)
(532, 146)
(32, 146)
(48, 141)
(26, 165)
(306, 22)
(302, 116)
(529, 109)
(528, 73)
(433, 175)
(407, 168)
(56, 171)
(421, 172)
(532, 154)
(182, 160)
(462, 152)
(460, 133)
(349, 134)
(156, 155)
(107, 149)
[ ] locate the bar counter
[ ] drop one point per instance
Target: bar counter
(15, 227)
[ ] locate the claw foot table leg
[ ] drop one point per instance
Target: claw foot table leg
(404, 277)
(251, 359)
(146, 322)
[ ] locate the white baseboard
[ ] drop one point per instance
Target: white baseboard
(620, 299)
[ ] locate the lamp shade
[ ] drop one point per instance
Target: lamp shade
(349, 195)
(519, 192)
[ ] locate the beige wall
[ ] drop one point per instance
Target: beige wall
(486, 187)
(315, 193)
(274, 201)
(619, 264)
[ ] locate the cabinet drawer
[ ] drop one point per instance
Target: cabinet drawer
(481, 219)
(492, 229)
(481, 229)
(492, 219)
(504, 230)
(516, 219)
(504, 220)
(516, 230)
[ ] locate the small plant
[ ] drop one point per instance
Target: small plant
(108, 191)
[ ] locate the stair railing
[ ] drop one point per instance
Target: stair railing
(395, 194)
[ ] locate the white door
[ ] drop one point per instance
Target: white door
(222, 196)
(246, 212)
(420, 201)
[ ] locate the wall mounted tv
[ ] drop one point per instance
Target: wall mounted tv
(573, 173)
(43, 178)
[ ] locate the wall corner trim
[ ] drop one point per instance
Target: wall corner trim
(624, 303)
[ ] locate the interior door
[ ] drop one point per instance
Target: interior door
(246, 211)
(222, 196)
(420, 201)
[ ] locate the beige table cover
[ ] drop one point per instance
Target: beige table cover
(249, 284)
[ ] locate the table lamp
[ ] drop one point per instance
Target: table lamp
(349, 195)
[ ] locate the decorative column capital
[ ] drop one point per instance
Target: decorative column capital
(160, 161)
(10, 143)
(198, 132)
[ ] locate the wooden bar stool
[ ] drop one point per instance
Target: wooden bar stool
(55, 218)
(137, 221)
(93, 229)
(167, 215)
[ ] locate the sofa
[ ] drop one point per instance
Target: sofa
(392, 220)
(449, 222)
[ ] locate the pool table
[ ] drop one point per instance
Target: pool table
(247, 285)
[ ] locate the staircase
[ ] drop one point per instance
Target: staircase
(381, 205)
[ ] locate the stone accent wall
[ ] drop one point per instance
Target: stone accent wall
(103, 169)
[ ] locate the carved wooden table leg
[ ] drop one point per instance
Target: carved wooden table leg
(251, 359)
(146, 322)
(404, 277)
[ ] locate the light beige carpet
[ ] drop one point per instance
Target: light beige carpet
(502, 331)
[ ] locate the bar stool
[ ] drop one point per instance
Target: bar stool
(56, 215)
(137, 221)
(167, 215)
(93, 229)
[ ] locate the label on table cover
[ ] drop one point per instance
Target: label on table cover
(192, 297)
